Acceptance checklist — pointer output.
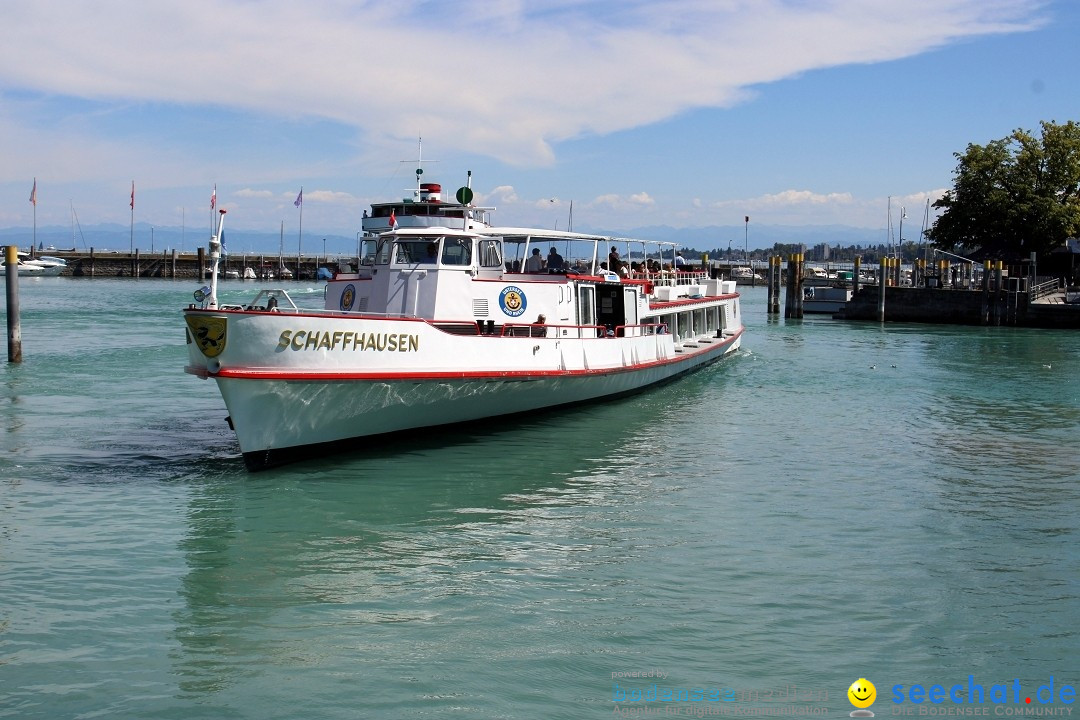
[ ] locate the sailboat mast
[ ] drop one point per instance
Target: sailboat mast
(75, 215)
(300, 236)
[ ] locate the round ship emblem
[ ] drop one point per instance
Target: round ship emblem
(512, 300)
(348, 296)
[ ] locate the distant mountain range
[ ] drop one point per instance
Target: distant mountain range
(160, 239)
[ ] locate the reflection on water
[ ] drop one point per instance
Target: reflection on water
(336, 555)
(840, 500)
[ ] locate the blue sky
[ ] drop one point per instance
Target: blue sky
(688, 113)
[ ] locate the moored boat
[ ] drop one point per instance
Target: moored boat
(744, 275)
(443, 324)
(50, 265)
(44, 266)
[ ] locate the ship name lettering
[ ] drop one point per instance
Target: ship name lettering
(347, 340)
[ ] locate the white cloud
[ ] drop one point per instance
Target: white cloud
(330, 197)
(611, 200)
(503, 194)
(511, 88)
(802, 197)
(84, 102)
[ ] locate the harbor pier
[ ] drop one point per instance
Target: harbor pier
(188, 265)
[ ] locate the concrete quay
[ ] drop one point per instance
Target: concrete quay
(964, 307)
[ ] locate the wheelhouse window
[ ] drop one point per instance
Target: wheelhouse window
(457, 251)
(418, 251)
(374, 251)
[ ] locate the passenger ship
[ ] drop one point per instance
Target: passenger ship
(449, 319)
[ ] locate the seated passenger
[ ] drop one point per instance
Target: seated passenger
(535, 263)
(554, 260)
(535, 331)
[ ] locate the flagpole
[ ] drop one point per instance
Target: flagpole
(213, 202)
(131, 239)
(34, 246)
(215, 257)
(300, 236)
(746, 243)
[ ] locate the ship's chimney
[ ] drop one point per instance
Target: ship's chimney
(430, 192)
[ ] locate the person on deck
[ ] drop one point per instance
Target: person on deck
(554, 260)
(537, 330)
(535, 263)
(613, 261)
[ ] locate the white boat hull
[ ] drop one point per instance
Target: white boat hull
(320, 394)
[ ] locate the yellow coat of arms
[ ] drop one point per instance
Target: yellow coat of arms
(208, 333)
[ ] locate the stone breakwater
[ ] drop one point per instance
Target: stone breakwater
(173, 264)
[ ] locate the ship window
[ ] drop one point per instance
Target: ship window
(421, 250)
(383, 258)
(587, 305)
(368, 251)
(457, 251)
(490, 253)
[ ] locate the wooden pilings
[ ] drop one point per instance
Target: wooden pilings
(793, 302)
(775, 271)
(14, 325)
(883, 278)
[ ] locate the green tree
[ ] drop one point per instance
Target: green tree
(1013, 196)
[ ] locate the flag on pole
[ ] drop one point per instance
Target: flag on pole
(299, 198)
(393, 221)
(132, 194)
(213, 197)
(747, 218)
(33, 194)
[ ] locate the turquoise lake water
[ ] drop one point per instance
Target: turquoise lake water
(837, 501)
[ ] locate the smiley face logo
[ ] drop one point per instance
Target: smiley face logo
(862, 693)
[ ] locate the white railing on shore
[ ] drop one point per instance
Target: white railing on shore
(1043, 289)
